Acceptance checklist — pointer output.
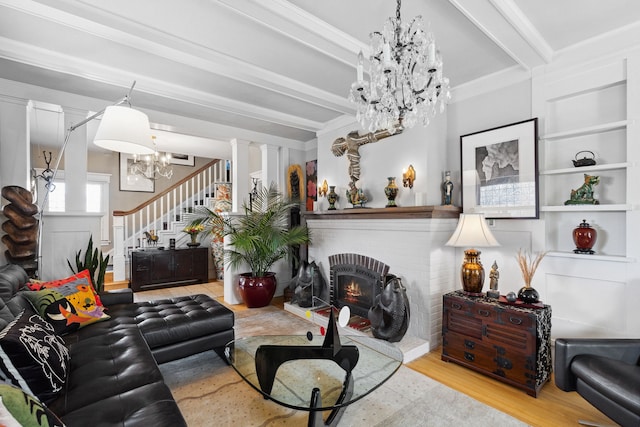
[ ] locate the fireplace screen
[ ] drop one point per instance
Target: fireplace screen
(355, 281)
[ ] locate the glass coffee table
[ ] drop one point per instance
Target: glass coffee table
(317, 374)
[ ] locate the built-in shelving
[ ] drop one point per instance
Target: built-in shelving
(588, 130)
(593, 117)
(587, 208)
(586, 169)
(587, 257)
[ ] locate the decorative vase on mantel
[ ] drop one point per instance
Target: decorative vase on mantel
(332, 197)
(391, 191)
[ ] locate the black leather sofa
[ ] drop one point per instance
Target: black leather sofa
(606, 372)
(113, 377)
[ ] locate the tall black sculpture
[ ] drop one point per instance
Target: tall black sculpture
(389, 316)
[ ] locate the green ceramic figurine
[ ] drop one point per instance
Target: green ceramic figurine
(584, 194)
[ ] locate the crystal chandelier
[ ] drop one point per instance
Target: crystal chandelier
(152, 166)
(406, 83)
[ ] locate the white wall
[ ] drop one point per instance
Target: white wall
(423, 147)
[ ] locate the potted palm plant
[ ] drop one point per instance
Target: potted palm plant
(258, 238)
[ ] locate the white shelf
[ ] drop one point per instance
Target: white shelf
(606, 127)
(584, 169)
(586, 208)
(587, 257)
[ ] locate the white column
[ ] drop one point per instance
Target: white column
(270, 166)
(75, 163)
(240, 189)
(241, 182)
(119, 259)
(15, 160)
(15, 157)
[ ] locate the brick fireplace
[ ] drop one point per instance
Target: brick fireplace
(411, 241)
(355, 281)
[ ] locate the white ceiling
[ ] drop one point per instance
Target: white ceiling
(276, 68)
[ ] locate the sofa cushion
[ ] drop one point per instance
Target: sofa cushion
(68, 307)
(603, 374)
(18, 408)
(149, 405)
(32, 357)
(107, 360)
(81, 278)
(12, 277)
(168, 321)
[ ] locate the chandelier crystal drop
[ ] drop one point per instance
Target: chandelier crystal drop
(406, 80)
(152, 166)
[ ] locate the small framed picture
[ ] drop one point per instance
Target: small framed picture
(130, 181)
(500, 171)
(182, 159)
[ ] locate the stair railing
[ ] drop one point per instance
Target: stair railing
(163, 214)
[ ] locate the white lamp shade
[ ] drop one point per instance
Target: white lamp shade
(125, 130)
(472, 231)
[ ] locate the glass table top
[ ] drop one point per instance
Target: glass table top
(295, 379)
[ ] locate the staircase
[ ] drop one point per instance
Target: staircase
(162, 216)
(110, 284)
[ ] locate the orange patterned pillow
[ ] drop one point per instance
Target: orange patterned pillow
(38, 285)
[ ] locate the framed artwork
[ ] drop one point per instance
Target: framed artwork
(312, 183)
(130, 181)
(182, 159)
(500, 171)
(294, 182)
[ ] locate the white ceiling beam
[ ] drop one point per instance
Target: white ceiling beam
(491, 21)
(30, 55)
(185, 52)
(524, 27)
(299, 25)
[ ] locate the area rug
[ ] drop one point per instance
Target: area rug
(209, 392)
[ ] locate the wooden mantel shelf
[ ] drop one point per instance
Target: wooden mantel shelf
(387, 213)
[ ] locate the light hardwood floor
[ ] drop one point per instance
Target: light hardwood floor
(551, 408)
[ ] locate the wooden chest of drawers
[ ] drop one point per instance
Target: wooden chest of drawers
(509, 343)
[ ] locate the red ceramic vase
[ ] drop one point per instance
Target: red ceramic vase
(257, 291)
(584, 237)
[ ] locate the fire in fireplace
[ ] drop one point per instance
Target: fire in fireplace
(355, 281)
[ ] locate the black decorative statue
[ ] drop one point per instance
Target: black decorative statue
(308, 283)
(390, 315)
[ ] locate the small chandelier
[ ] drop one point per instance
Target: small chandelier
(406, 84)
(152, 166)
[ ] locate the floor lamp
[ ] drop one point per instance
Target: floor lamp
(121, 129)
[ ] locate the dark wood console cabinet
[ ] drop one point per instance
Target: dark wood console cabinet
(154, 268)
(509, 343)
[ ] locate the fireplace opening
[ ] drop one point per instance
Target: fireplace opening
(355, 281)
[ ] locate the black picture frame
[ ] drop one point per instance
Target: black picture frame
(500, 171)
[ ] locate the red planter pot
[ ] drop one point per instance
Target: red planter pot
(257, 291)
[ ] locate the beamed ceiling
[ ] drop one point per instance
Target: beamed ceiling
(276, 69)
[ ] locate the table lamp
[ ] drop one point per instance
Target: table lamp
(472, 231)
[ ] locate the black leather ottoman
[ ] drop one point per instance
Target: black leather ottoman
(178, 327)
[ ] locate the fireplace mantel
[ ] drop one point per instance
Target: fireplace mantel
(388, 213)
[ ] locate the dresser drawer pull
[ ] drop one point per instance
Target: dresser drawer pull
(469, 356)
(456, 305)
(469, 344)
(483, 313)
(504, 363)
(515, 320)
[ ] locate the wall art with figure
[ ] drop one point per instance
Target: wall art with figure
(312, 183)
